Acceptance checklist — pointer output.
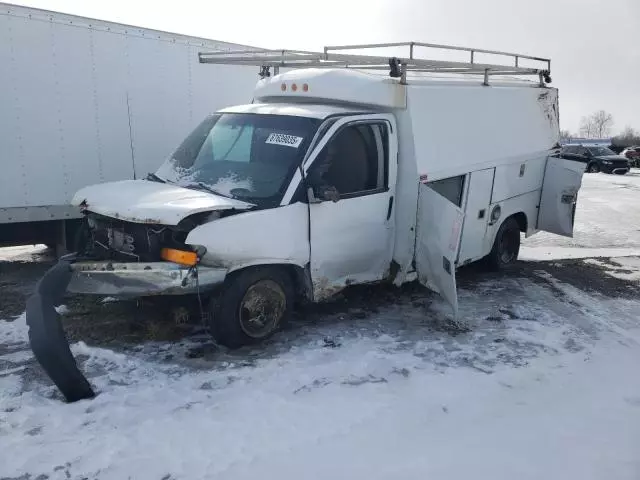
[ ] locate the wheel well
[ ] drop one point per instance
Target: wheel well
(300, 277)
(521, 218)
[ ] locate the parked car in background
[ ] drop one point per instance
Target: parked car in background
(632, 154)
(597, 159)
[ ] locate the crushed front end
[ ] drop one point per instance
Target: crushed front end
(113, 258)
(124, 259)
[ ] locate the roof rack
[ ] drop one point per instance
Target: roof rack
(398, 66)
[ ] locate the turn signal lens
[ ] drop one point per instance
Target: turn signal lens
(179, 256)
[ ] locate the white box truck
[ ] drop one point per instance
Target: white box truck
(83, 101)
(329, 177)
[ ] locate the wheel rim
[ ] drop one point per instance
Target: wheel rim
(593, 169)
(508, 246)
(261, 308)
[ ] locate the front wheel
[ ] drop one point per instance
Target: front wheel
(593, 168)
(506, 246)
(252, 305)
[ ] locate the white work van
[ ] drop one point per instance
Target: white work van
(332, 177)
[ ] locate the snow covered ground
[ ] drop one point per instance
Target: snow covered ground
(607, 222)
(543, 382)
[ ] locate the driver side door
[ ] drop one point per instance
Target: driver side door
(352, 233)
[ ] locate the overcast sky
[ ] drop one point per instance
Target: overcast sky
(594, 45)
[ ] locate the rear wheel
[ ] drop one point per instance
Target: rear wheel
(252, 305)
(593, 168)
(506, 246)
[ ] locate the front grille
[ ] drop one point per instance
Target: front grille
(111, 239)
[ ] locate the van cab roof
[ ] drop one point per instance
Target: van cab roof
(311, 110)
(335, 85)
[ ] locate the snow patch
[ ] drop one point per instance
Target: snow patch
(19, 356)
(62, 309)
(226, 184)
(19, 252)
(11, 371)
(623, 268)
(565, 253)
(14, 331)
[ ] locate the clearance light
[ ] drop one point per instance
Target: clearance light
(179, 256)
(283, 87)
(294, 87)
(305, 87)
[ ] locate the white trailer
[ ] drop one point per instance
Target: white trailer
(83, 101)
(330, 177)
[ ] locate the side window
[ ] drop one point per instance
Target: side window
(450, 188)
(355, 160)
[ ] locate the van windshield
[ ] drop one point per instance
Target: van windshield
(245, 156)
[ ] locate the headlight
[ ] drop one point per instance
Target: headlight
(606, 162)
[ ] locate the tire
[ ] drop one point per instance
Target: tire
(593, 168)
(506, 246)
(268, 290)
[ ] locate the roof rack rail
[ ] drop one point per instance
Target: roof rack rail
(398, 66)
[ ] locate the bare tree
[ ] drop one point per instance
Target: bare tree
(627, 138)
(629, 133)
(603, 122)
(596, 125)
(566, 135)
(586, 127)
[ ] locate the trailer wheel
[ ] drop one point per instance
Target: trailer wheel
(252, 305)
(506, 245)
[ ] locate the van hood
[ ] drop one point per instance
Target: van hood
(143, 201)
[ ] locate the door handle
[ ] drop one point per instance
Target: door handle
(390, 207)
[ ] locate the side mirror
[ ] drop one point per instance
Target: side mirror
(330, 193)
(317, 194)
(311, 196)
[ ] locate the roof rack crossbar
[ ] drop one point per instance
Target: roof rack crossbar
(412, 45)
(329, 59)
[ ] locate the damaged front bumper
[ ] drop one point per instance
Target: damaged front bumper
(46, 335)
(141, 279)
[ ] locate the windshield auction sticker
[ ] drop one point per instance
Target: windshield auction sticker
(286, 140)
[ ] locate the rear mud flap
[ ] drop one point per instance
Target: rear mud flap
(47, 338)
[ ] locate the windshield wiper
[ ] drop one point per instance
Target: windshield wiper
(155, 178)
(204, 186)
